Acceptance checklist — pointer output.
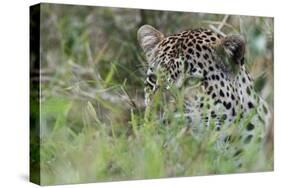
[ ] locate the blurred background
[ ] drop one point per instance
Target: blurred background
(92, 72)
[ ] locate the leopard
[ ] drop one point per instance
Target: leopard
(209, 68)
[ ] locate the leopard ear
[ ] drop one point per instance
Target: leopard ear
(234, 46)
(148, 38)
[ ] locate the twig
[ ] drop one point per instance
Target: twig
(220, 26)
(129, 98)
(216, 30)
(218, 23)
(223, 22)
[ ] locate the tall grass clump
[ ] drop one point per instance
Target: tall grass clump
(94, 126)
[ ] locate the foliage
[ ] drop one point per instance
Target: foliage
(93, 123)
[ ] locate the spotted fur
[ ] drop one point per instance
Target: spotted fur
(210, 69)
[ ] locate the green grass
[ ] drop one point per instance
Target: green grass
(144, 147)
(93, 123)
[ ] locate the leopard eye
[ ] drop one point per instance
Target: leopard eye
(192, 81)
